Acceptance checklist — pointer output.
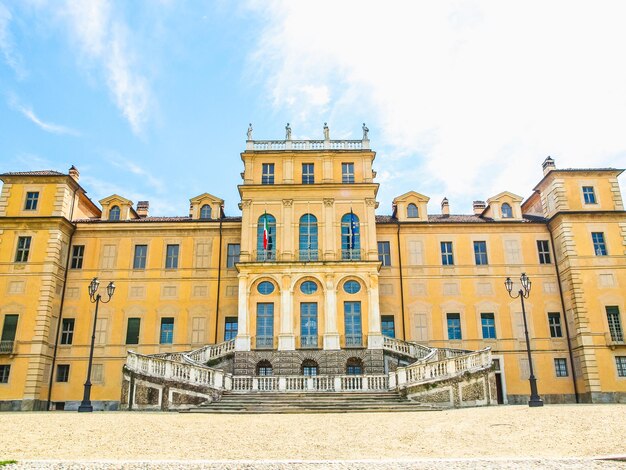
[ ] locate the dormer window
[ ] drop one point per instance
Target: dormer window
(205, 212)
(507, 212)
(412, 212)
(114, 213)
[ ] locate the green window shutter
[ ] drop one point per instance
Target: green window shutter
(132, 333)
(9, 328)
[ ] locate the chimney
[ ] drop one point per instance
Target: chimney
(548, 165)
(73, 172)
(445, 207)
(142, 209)
(479, 207)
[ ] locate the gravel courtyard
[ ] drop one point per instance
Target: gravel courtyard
(556, 431)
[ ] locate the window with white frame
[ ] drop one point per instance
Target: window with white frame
(589, 195)
(560, 367)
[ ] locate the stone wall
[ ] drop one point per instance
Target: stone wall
(142, 392)
(469, 389)
(290, 362)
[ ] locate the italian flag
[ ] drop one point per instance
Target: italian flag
(266, 232)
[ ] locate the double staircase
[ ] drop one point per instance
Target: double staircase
(222, 392)
(313, 402)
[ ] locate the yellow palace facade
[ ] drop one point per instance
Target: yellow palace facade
(326, 290)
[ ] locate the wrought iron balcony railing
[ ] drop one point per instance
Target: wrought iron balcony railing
(264, 342)
(354, 341)
(308, 255)
(6, 347)
(308, 341)
(351, 255)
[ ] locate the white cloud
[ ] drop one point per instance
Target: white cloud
(462, 98)
(46, 126)
(125, 164)
(103, 38)
(7, 47)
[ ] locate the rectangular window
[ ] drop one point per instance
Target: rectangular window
(620, 362)
(63, 372)
(543, 248)
(132, 331)
(308, 177)
(230, 328)
(265, 325)
(233, 254)
(268, 173)
(512, 252)
(198, 328)
(480, 253)
(167, 331)
(416, 257)
(420, 327)
(488, 323)
(9, 328)
(67, 331)
(308, 324)
(599, 246)
(23, 248)
(4, 373)
(139, 259)
(447, 258)
(384, 253)
(560, 367)
(454, 326)
(347, 173)
(202, 255)
(352, 323)
(554, 321)
(78, 252)
(171, 257)
(32, 198)
(615, 325)
(387, 325)
(589, 195)
(101, 331)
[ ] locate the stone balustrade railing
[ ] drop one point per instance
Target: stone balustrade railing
(212, 351)
(280, 145)
(424, 372)
(414, 350)
(178, 371)
(317, 383)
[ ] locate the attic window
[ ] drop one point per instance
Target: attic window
(114, 213)
(412, 212)
(205, 212)
(507, 212)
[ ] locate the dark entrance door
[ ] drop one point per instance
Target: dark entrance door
(499, 394)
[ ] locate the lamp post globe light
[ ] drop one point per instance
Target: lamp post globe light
(523, 293)
(94, 297)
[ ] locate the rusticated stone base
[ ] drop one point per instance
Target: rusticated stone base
(290, 362)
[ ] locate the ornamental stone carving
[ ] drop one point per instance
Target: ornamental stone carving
(246, 202)
(370, 202)
(287, 202)
(329, 201)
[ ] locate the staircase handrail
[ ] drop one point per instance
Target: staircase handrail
(424, 372)
(169, 369)
(211, 351)
(407, 348)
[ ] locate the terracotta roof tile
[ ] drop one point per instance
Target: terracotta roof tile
(33, 173)
(145, 220)
(459, 219)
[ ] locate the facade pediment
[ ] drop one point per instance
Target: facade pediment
(124, 205)
(212, 207)
(504, 206)
(411, 207)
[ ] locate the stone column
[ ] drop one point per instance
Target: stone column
(286, 234)
(286, 338)
(374, 335)
(242, 341)
(329, 228)
(331, 335)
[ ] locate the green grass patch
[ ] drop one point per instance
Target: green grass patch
(7, 462)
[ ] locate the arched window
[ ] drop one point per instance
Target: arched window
(114, 213)
(350, 237)
(354, 366)
(351, 287)
(308, 287)
(264, 368)
(205, 212)
(308, 238)
(507, 212)
(412, 212)
(266, 238)
(265, 288)
(309, 367)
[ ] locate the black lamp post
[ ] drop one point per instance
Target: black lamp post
(523, 293)
(94, 297)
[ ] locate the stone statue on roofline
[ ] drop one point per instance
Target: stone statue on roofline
(365, 132)
(326, 132)
(287, 132)
(250, 131)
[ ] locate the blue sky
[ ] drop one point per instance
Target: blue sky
(151, 99)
